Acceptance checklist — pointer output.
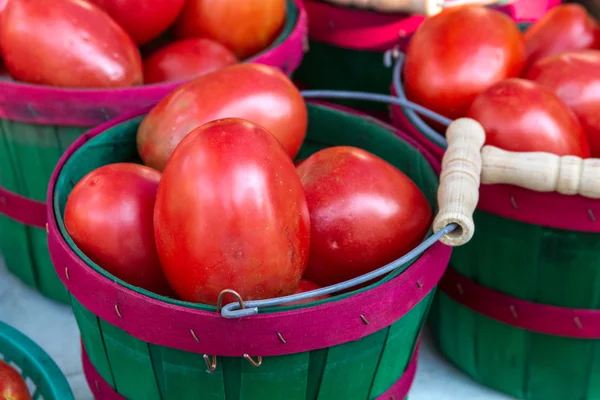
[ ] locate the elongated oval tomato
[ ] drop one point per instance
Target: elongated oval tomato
(71, 43)
(246, 27)
(575, 78)
(520, 115)
(144, 20)
(109, 217)
(186, 59)
(457, 54)
(12, 385)
(231, 214)
(563, 28)
(258, 93)
(364, 213)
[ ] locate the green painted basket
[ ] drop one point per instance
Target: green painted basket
(38, 123)
(42, 376)
(353, 346)
(519, 308)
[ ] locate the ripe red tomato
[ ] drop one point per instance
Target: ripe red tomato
(109, 217)
(12, 384)
(231, 214)
(144, 20)
(258, 93)
(186, 59)
(575, 78)
(307, 286)
(563, 28)
(364, 213)
(72, 43)
(455, 55)
(520, 115)
(246, 27)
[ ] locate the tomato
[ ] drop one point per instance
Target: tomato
(261, 94)
(109, 217)
(231, 214)
(455, 55)
(144, 20)
(563, 28)
(575, 78)
(12, 385)
(364, 213)
(246, 27)
(186, 59)
(307, 286)
(71, 44)
(520, 115)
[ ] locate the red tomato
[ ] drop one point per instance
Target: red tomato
(261, 94)
(72, 44)
(563, 28)
(575, 78)
(364, 213)
(12, 384)
(307, 286)
(231, 214)
(520, 115)
(109, 217)
(246, 27)
(144, 20)
(457, 54)
(186, 59)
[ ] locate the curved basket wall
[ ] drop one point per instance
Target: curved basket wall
(518, 308)
(147, 347)
(38, 123)
(44, 379)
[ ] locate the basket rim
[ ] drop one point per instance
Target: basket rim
(130, 309)
(43, 104)
(44, 364)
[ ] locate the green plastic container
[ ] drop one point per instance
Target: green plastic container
(149, 347)
(41, 374)
(38, 123)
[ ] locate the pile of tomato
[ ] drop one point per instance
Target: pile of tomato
(120, 43)
(218, 202)
(533, 91)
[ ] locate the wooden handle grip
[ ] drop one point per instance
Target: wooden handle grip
(423, 7)
(458, 193)
(542, 172)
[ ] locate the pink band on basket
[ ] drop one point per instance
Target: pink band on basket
(21, 209)
(540, 318)
(103, 391)
(89, 107)
(180, 327)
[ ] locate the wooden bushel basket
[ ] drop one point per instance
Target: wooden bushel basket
(142, 346)
(518, 309)
(37, 124)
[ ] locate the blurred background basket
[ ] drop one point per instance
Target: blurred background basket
(37, 124)
(148, 347)
(43, 377)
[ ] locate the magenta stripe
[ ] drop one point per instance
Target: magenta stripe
(21, 209)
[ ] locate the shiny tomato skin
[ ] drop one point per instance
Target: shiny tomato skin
(564, 28)
(523, 116)
(258, 93)
(364, 213)
(70, 44)
(12, 384)
(109, 217)
(143, 20)
(246, 27)
(307, 286)
(455, 55)
(231, 214)
(186, 59)
(575, 78)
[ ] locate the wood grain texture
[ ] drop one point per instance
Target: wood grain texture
(458, 192)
